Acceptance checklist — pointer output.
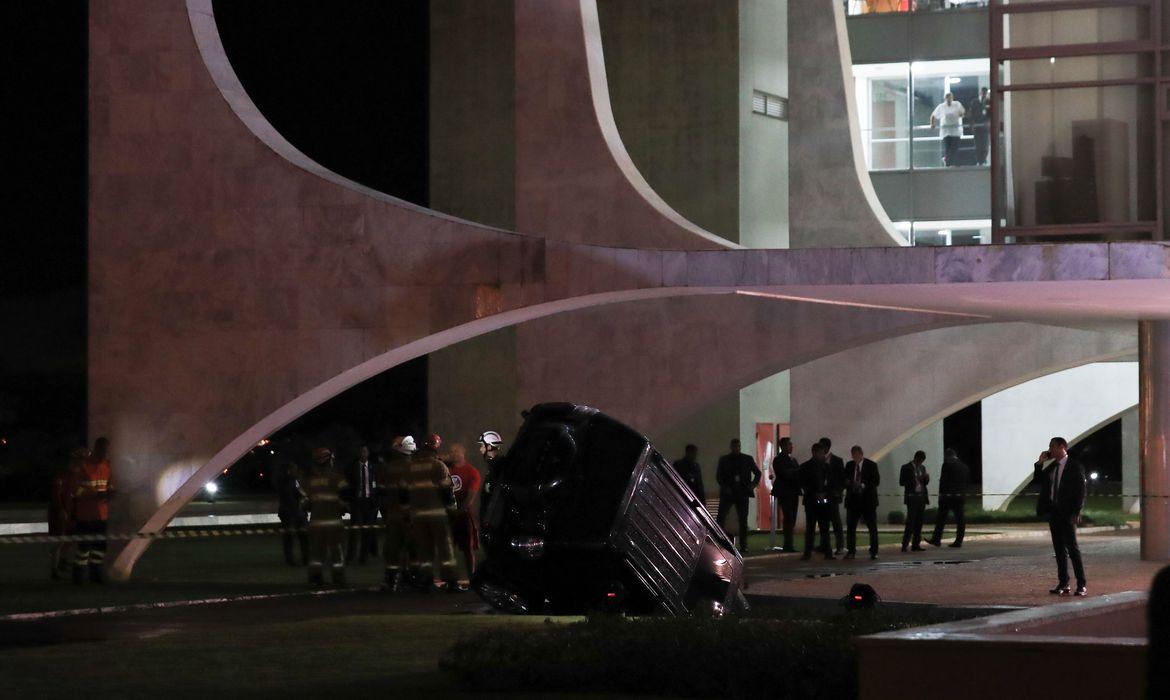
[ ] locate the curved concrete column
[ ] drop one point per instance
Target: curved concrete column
(880, 394)
(1019, 421)
(1154, 417)
(832, 200)
(574, 179)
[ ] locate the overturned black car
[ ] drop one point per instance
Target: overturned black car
(582, 514)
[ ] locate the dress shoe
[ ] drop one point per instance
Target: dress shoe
(839, 550)
(873, 555)
(955, 545)
(805, 557)
(903, 548)
(916, 548)
(934, 543)
(830, 556)
(1081, 591)
(850, 555)
(1059, 590)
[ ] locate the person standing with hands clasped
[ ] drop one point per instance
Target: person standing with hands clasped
(1062, 498)
(738, 476)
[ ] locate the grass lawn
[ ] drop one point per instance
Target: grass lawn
(367, 656)
(177, 569)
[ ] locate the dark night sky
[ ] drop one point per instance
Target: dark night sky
(42, 152)
(345, 82)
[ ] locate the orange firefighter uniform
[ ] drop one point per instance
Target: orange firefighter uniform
(325, 505)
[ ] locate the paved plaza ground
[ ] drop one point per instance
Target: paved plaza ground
(1009, 568)
(296, 642)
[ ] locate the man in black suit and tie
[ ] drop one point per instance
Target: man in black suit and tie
(836, 477)
(952, 487)
(913, 478)
(363, 507)
(861, 500)
(1062, 497)
(814, 486)
(692, 472)
(737, 476)
(786, 488)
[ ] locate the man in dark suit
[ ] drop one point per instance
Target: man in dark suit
(1062, 497)
(738, 476)
(836, 478)
(952, 487)
(786, 489)
(363, 506)
(914, 478)
(861, 500)
(814, 486)
(692, 472)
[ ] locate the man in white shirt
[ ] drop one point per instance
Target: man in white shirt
(948, 117)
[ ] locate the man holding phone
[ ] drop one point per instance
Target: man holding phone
(1062, 498)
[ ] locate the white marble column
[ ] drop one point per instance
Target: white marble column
(1154, 416)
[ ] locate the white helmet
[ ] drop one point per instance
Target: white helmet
(491, 439)
(404, 445)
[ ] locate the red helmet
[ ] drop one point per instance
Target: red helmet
(433, 442)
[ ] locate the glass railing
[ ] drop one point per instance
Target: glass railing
(923, 148)
(946, 233)
(870, 7)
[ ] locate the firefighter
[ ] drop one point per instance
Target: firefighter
(489, 448)
(326, 507)
(466, 483)
(61, 509)
(93, 489)
(432, 505)
(394, 492)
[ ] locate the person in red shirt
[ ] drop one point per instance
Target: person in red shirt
(466, 482)
(61, 508)
(93, 489)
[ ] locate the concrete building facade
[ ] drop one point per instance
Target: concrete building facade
(604, 261)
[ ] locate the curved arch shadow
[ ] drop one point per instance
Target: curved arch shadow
(995, 389)
(1071, 443)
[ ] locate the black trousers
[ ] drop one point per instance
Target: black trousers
(853, 516)
(363, 511)
(740, 503)
(833, 511)
(951, 150)
(788, 506)
(946, 504)
(913, 530)
(90, 552)
(1064, 543)
(816, 517)
(291, 520)
(982, 141)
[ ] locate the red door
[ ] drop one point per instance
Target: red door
(765, 451)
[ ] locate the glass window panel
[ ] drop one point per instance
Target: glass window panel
(1073, 68)
(883, 102)
(1106, 24)
(1077, 155)
(945, 142)
(963, 232)
(869, 7)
